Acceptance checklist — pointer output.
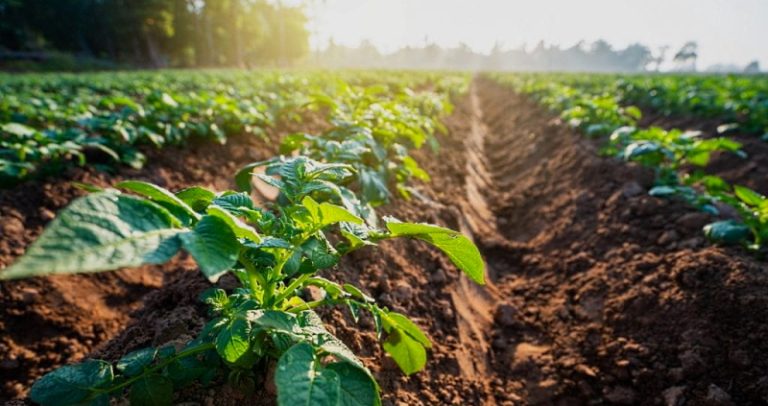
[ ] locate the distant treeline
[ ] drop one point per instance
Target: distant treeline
(598, 56)
(154, 33)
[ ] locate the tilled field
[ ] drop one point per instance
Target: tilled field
(597, 293)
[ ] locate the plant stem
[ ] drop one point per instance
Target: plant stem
(290, 288)
(183, 354)
(307, 306)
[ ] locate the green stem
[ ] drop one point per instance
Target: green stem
(292, 287)
(255, 279)
(307, 306)
(183, 354)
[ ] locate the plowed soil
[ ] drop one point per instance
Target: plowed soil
(597, 293)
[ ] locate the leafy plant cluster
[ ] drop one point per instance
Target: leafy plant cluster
(48, 121)
(276, 251)
(678, 157)
(740, 102)
(735, 99)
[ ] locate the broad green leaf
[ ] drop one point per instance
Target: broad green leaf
(159, 195)
(357, 387)
(245, 175)
(213, 245)
(320, 253)
(154, 390)
(19, 130)
(749, 196)
(237, 226)
(325, 214)
(460, 249)
(727, 232)
(273, 320)
(100, 232)
(403, 323)
(134, 362)
(232, 342)
(409, 354)
(71, 384)
(234, 202)
(302, 380)
(198, 198)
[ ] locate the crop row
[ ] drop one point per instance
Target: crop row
(739, 102)
(677, 157)
(48, 121)
(329, 186)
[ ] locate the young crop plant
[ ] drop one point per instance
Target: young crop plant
(752, 230)
(275, 251)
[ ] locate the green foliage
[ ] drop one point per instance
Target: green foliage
(48, 122)
(598, 105)
(276, 251)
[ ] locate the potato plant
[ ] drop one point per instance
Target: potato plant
(274, 251)
(596, 104)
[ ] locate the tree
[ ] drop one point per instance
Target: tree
(686, 57)
(752, 67)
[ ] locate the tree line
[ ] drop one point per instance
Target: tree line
(598, 56)
(157, 33)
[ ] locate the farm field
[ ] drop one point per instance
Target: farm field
(395, 237)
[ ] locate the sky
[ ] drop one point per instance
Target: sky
(727, 31)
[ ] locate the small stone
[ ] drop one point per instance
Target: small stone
(542, 392)
(694, 220)
(46, 214)
(668, 237)
(585, 370)
(717, 396)
(402, 293)
(438, 276)
(11, 226)
(524, 354)
(692, 363)
(506, 315)
(29, 295)
(632, 189)
(314, 293)
(621, 395)
(674, 396)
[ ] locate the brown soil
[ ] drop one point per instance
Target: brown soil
(47, 322)
(597, 293)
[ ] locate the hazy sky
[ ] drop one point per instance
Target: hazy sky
(733, 31)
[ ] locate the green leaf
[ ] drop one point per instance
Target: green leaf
(403, 323)
(324, 214)
(234, 202)
(237, 226)
(727, 232)
(749, 196)
(301, 379)
(134, 362)
(357, 387)
(101, 232)
(19, 130)
(161, 196)
(198, 198)
(232, 342)
(154, 390)
(409, 354)
(213, 245)
(273, 320)
(320, 253)
(71, 384)
(460, 249)
(245, 175)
